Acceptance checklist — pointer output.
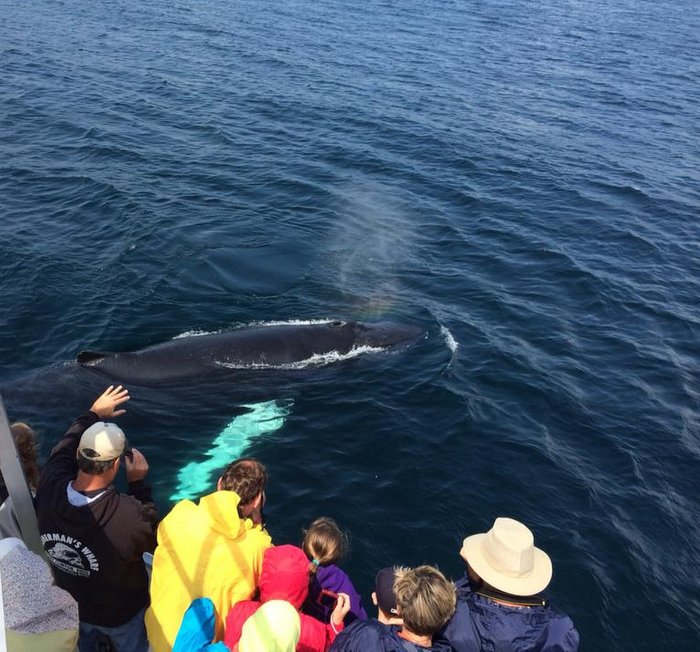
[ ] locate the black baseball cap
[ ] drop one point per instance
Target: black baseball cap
(384, 588)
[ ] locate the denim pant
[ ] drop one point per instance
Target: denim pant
(129, 637)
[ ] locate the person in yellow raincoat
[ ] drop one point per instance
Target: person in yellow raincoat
(213, 549)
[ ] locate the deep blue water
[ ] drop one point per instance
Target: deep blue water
(518, 178)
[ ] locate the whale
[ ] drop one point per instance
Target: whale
(260, 346)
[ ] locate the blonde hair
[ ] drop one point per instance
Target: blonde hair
(27, 446)
(324, 542)
(425, 599)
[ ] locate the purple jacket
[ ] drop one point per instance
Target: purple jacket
(333, 579)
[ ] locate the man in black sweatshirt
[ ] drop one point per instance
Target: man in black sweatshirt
(93, 536)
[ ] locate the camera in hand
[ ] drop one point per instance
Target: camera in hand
(327, 598)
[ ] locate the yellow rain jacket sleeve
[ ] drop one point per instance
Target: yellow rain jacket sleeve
(204, 550)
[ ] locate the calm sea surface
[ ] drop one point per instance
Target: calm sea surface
(519, 178)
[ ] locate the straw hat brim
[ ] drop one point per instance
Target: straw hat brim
(531, 583)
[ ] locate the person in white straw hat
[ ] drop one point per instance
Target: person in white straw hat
(499, 601)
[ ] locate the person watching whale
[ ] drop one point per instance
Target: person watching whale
(419, 601)
(27, 446)
(213, 548)
(500, 605)
(95, 537)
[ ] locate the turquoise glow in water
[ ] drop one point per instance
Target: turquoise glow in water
(195, 478)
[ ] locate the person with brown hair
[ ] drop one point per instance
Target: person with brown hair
(325, 544)
(27, 446)
(425, 600)
(248, 478)
(213, 548)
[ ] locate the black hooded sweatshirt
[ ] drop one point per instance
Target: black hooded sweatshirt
(96, 550)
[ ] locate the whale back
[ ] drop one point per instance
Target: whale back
(139, 366)
(260, 346)
(267, 346)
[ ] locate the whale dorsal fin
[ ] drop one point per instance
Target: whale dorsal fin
(91, 357)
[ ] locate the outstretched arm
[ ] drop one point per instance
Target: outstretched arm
(61, 463)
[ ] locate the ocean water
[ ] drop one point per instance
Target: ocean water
(520, 179)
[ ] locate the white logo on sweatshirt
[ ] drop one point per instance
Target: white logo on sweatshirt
(69, 555)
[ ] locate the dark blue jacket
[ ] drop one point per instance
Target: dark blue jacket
(372, 636)
(480, 625)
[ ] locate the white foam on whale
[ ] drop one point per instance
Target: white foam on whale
(318, 360)
(194, 334)
(294, 322)
(258, 324)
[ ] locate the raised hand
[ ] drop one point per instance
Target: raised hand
(105, 405)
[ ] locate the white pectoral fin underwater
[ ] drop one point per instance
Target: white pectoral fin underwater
(195, 478)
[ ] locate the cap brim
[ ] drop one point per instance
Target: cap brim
(531, 583)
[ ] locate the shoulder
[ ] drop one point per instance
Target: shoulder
(459, 631)
(126, 501)
(131, 524)
(241, 610)
(478, 621)
(561, 634)
(183, 508)
(237, 615)
(183, 511)
(463, 587)
(257, 538)
(336, 579)
(313, 625)
(441, 646)
(364, 636)
(332, 577)
(368, 627)
(130, 505)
